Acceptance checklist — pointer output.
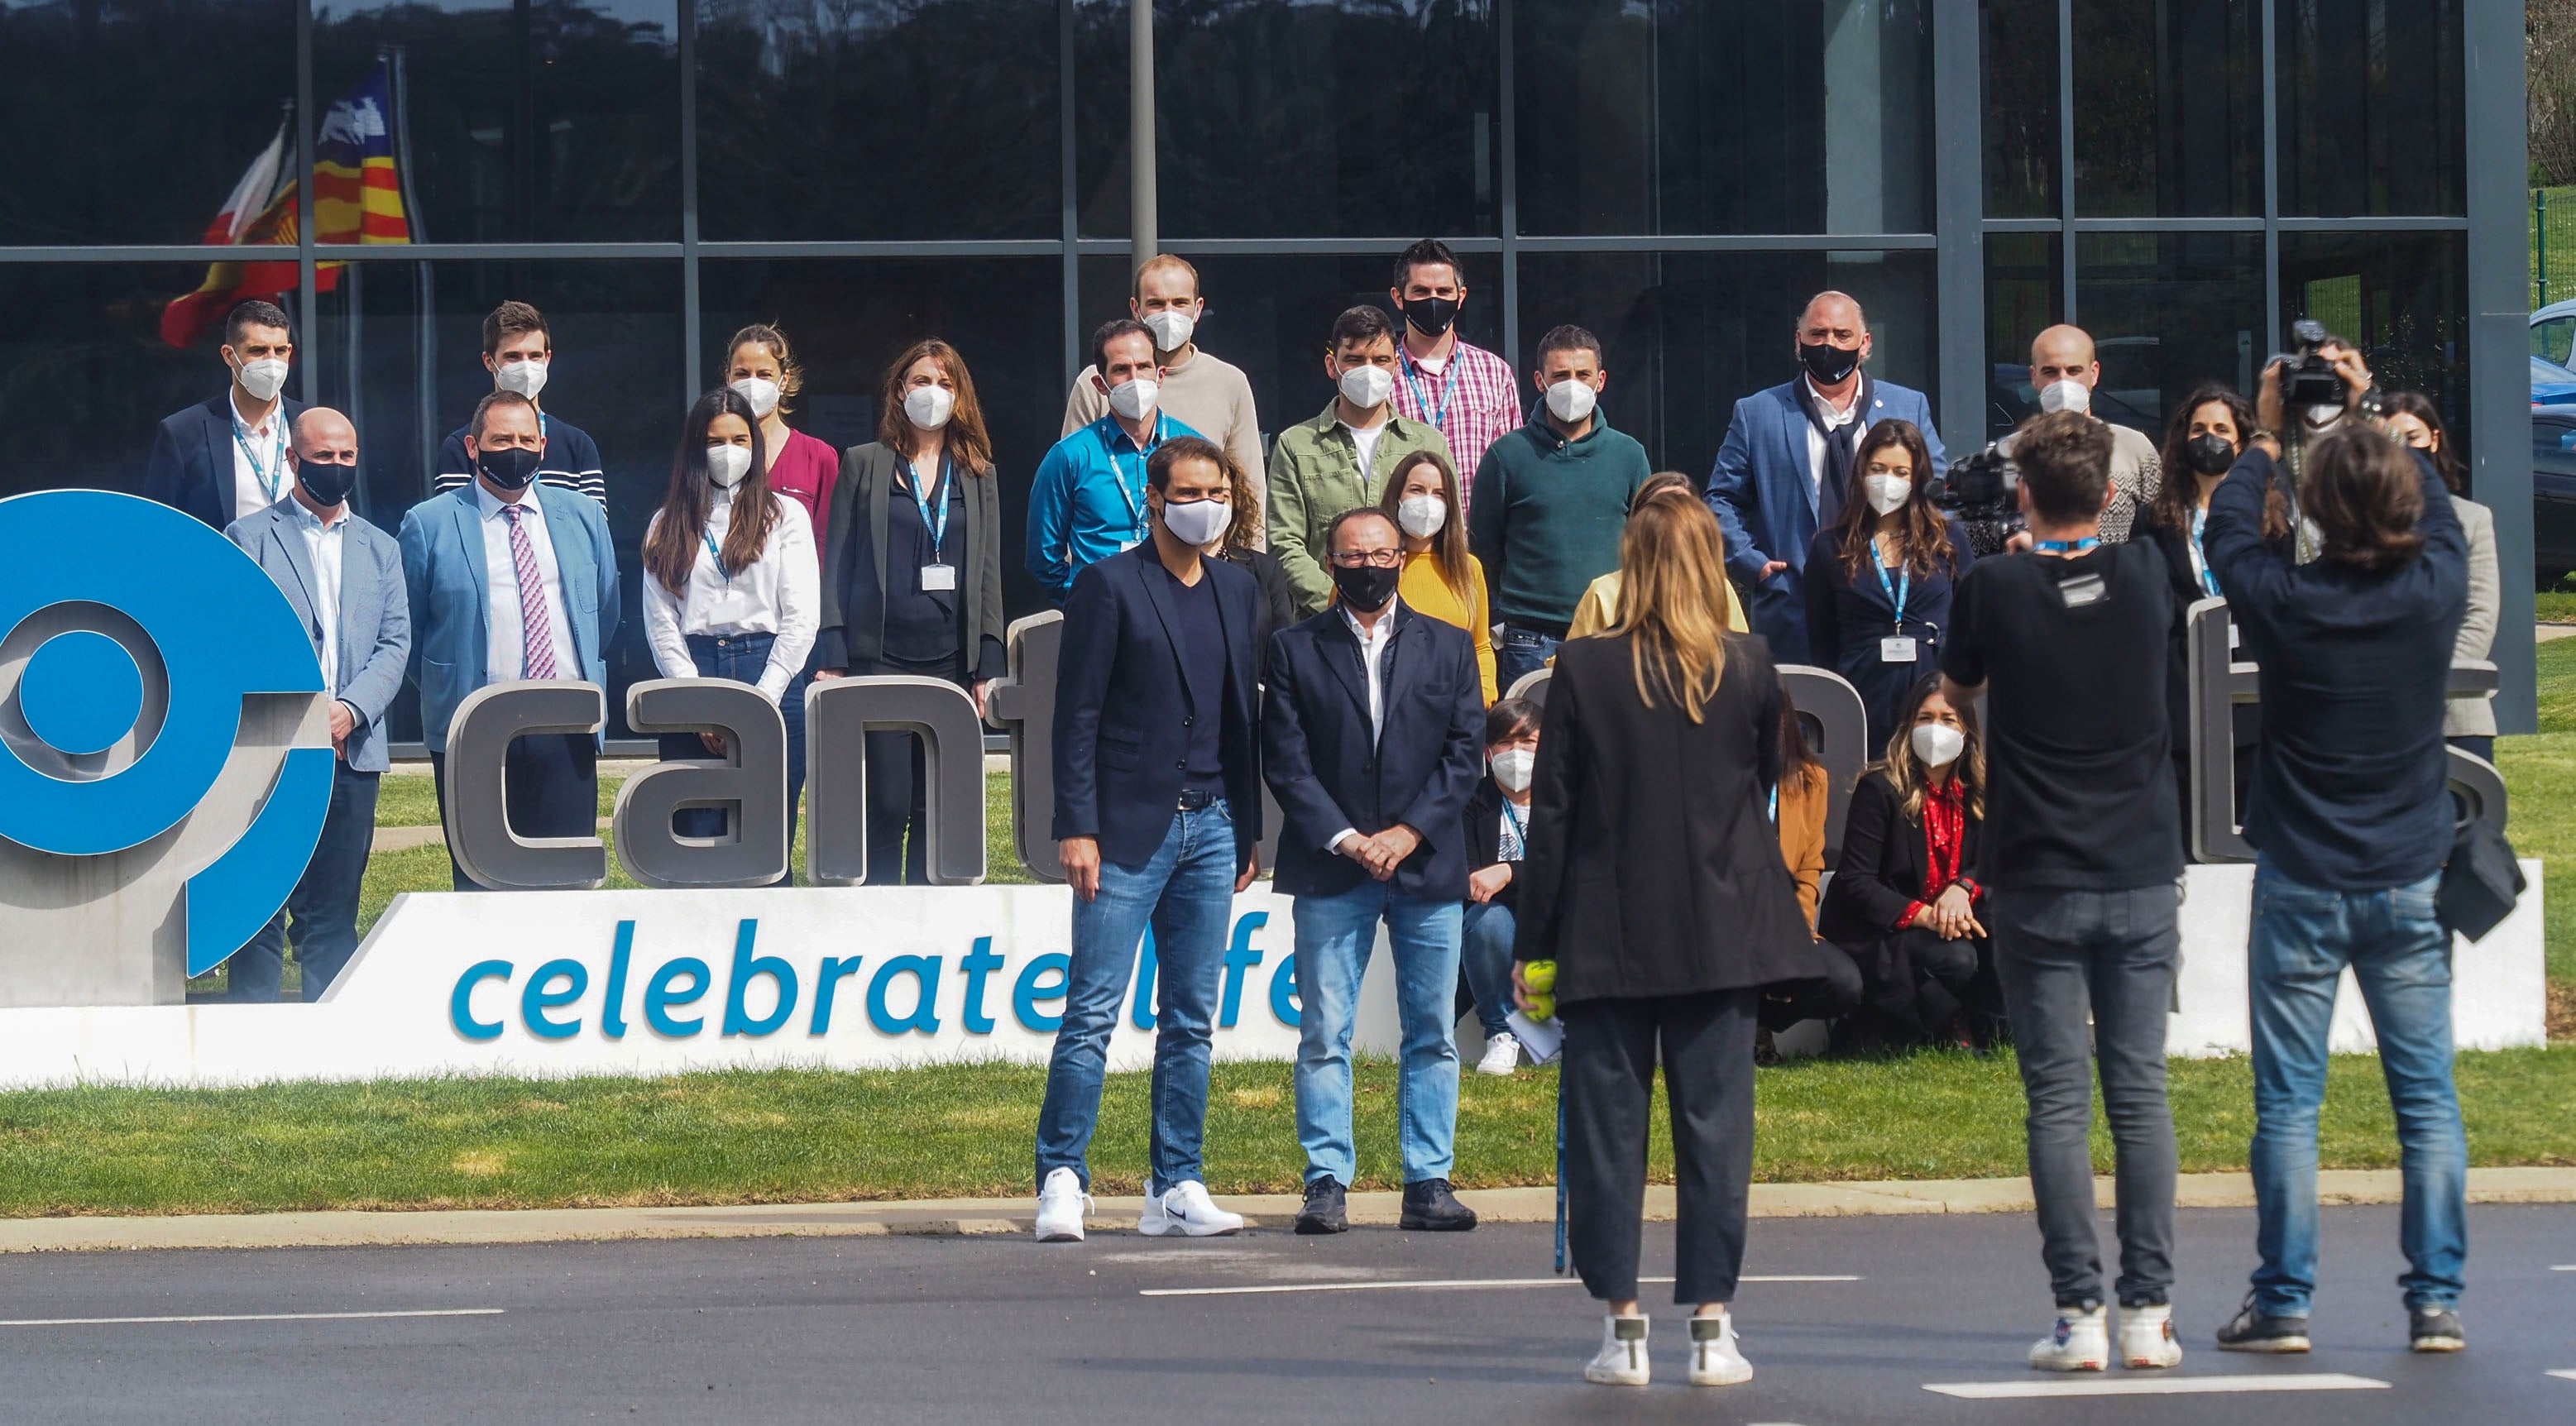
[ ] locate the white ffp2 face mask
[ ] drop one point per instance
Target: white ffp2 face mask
(1172, 330)
(1513, 768)
(1938, 744)
(727, 465)
(761, 392)
(1570, 401)
(263, 378)
(1886, 492)
(524, 377)
(1421, 516)
(1132, 399)
(1197, 522)
(2066, 396)
(1367, 387)
(929, 406)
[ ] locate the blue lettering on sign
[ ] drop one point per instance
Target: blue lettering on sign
(1026, 993)
(745, 966)
(1148, 966)
(536, 1000)
(460, 1001)
(659, 997)
(1284, 1000)
(612, 1011)
(826, 984)
(979, 962)
(924, 971)
(1240, 956)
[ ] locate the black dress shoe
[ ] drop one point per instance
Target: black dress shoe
(1430, 1207)
(1323, 1212)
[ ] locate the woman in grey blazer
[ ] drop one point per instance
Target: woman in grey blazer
(2467, 723)
(912, 574)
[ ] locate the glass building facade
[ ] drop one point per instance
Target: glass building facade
(2184, 178)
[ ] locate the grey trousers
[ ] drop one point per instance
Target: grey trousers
(2064, 955)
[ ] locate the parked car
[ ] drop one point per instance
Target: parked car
(2551, 384)
(2553, 333)
(2553, 494)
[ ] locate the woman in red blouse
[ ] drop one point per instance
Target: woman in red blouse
(1903, 902)
(760, 365)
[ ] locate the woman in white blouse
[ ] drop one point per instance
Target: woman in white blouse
(731, 588)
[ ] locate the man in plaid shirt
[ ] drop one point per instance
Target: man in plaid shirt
(1466, 391)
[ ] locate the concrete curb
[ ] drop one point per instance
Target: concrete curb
(973, 1216)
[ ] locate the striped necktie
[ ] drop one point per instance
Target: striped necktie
(536, 644)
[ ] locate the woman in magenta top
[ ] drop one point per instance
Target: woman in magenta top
(763, 368)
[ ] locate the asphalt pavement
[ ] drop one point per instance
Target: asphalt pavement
(1859, 1316)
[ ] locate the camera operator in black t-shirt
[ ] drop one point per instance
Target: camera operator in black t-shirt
(2081, 854)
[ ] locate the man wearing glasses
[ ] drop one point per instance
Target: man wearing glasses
(1372, 732)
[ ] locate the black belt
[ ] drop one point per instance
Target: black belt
(1195, 799)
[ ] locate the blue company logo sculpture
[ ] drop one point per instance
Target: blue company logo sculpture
(130, 636)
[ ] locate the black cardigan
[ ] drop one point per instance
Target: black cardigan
(854, 567)
(1883, 865)
(1654, 869)
(1278, 606)
(1485, 836)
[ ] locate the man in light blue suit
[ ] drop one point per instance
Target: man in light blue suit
(512, 580)
(1784, 471)
(344, 578)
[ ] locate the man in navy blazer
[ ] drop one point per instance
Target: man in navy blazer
(512, 580)
(344, 578)
(1372, 740)
(1784, 470)
(231, 457)
(1158, 817)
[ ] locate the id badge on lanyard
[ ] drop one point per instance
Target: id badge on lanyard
(1898, 647)
(939, 576)
(1118, 468)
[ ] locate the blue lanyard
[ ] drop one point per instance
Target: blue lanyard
(2066, 547)
(715, 555)
(1437, 415)
(1520, 837)
(1775, 804)
(938, 525)
(1896, 596)
(1135, 501)
(2208, 576)
(270, 475)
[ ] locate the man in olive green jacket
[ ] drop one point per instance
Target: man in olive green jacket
(1341, 459)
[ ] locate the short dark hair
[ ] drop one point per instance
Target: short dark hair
(2366, 493)
(491, 401)
(254, 313)
(1430, 252)
(2065, 463)
(1110, 331)
(2446, 462)
(1365, 323)
(1158, 466)
(1567, 337)
(514, 318)
(1333, 532)
(1509, 718)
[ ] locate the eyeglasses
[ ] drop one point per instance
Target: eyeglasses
(1360, 559)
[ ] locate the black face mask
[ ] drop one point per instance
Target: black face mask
(1431, 316)
(2209, 453)
(511, 467)
(328, 482)
(1367, 587)
(1830, 365)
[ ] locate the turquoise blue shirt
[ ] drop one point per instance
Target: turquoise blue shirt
(1088, 500)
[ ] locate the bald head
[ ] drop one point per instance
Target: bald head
(325, 435)
(1835, 312)
(1833, 341)
(2062, 353)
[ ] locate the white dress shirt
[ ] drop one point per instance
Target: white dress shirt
(1834, 422)
(781, 593)
(1372, 658)
(267, 441)
(505, 641)
(322, 545)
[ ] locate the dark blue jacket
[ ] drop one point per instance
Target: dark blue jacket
(1329, 773)
(1846, 618)
(1120, 745)
(191, 468)
(2351, 782)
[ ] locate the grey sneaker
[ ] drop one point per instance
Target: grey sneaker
(2254, 1330)
(2435, 1329)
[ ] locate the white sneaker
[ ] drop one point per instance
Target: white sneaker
(1502, 1055)
(1715, 1359)
(2081, 1343)
(1622, 1358)
(1061, 1206)
(1186, 1209)
(2147, 1337)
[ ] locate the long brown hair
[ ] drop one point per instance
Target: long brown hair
(2363, 490)
(2177, 491)
(2446, 462)
(1920, 526)
(1672, 601)
(969, 448)
(1798, 762)
(679, 531)
(791, 372)
(1909, 777)
(1449, 545)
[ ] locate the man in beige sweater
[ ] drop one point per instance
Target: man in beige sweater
(1201, 392)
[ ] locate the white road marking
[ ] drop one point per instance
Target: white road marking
(253, 1317)
(1438, 1285)
(2153, 1386)
(2569, 1375)
(2564, 1268)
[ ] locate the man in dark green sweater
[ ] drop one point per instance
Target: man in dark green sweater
(1550, 501)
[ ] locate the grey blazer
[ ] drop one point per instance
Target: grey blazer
(854, 567)
(375, 614)
(2475, 717)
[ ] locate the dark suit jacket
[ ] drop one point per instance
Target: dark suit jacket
(854, 566)
(191, 468)
(1654, 869)
(1485, 836)
(1882, 867)
(1278, 601)
(1330, 769)
(1120, 747)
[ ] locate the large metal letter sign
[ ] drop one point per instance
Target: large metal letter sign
(1024, 703)
(751, 777)
(478, 820)
(164, 748)
(838, 713)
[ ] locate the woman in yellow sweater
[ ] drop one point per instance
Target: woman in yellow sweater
(1599, 608)
(1440, 578)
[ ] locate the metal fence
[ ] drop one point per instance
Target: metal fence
(2553, 245)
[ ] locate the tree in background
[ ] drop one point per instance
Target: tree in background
(2550, 27)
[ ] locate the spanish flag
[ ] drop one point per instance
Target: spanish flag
(358, 198)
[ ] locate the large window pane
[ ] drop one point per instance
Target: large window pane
(1686, 335)
(556, 121)
(2025, 291)
(2168, 312)
(84, 375)
(1746, 116)
(2403, 297)
(850, 318)
(116, 128)
(2372, 107)
(2168, 108)
(2018, 41)
(854, 122)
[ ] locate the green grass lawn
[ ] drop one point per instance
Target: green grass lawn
(2555, 606)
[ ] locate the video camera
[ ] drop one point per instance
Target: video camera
(2307, 378)
(1984, 491)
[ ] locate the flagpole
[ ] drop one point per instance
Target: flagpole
(425, 330)
(308, 303)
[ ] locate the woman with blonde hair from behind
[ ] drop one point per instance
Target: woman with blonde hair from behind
(1599, 607)
(1655, 886)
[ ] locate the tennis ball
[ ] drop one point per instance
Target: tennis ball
(1539, 975)
(1542, 1006)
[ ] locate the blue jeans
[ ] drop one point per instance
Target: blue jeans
(324, 902)
(1521, 651)
(1485, 956)
(2303, 938)
(1334, 937)
(1185, 892)
(743, 658)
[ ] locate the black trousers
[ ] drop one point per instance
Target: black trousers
(551, 781)
(1608, 1083)
(324, 902)
(1830, 996)
(898, 792)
